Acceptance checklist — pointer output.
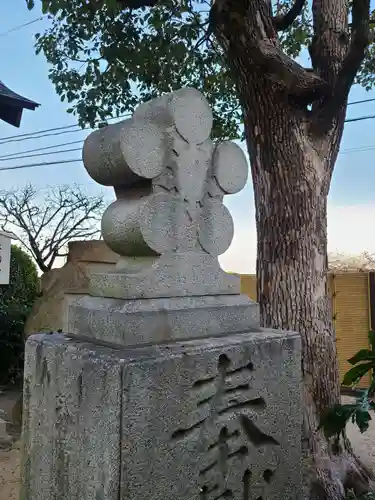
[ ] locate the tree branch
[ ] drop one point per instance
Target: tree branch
(302, 84)
(282, 22)
(247, 35)
(352, 61)
(48, 225)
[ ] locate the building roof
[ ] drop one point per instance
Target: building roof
(12, 105)
(7, 234)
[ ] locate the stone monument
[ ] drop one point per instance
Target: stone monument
(164, 387)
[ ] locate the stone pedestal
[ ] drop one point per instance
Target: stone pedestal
(202, 419)
(164, 386)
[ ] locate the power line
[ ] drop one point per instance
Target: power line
(31, 135)
(39, 132)
(11, 155)
(44, 164)
(360, 118)
(361, 102)
(41, 154)
(31, 165)
(54, 134)
(357, 150)
(16, 28)
(61, 151)
(5, 140)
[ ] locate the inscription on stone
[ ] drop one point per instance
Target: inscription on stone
(224, 402)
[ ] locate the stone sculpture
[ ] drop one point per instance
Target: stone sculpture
(164, 386)
(168, 223)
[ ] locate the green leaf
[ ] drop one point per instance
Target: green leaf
(362, 355)
(154, 50)
(356, 373)
(371, 338)
(334, 420)
(30, 4)
(362, 419)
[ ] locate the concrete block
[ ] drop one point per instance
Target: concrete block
(131, 322)
(71, 421)
(204, 419)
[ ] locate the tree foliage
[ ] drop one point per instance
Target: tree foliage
(45, 223)
(107, 57)
(16, 300)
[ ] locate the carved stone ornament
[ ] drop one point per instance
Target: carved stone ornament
(168, 223)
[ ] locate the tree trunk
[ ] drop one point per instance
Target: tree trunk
(293, 148)
(291, 184)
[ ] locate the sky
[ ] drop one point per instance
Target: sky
(351, 206)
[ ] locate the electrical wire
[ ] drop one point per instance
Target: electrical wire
(16, 28)
(63, 130)
(31, 135)
(44, 164)
(54, 134)
(42, 154)
(11, 155)
(360, 118)
(357, 150)
(39, 132)
(6, 140)
(361, 102)
(32, 165)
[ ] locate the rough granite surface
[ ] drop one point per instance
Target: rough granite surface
(131, 322)
(202, 419)
(168, 222)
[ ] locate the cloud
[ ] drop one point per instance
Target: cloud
(351, 231)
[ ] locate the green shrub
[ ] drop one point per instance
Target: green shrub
(16, 300)
(335, 420)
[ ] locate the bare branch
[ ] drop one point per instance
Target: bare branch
(283, 21)
(45, 226)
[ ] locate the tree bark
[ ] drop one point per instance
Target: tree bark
(291, 185)
(293, 148)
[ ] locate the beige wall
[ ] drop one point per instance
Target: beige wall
(350, 311)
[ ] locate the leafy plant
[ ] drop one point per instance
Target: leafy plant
(16, 300)
(367, 496)
(335, 419)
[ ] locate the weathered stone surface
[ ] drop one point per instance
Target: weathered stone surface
(131, 322)
(197, 420)
(175, 275)
(84, 258)
(5, 439)
(170, 181)
(71, 432)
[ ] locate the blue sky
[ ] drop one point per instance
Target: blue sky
(351, 201)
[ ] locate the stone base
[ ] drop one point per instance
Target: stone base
(131, 322)
(207, 419)
(171, 275)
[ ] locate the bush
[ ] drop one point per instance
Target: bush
(335, 420)
(16, 300)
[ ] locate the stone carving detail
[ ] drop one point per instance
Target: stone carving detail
(170, 181)
(224, 403)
